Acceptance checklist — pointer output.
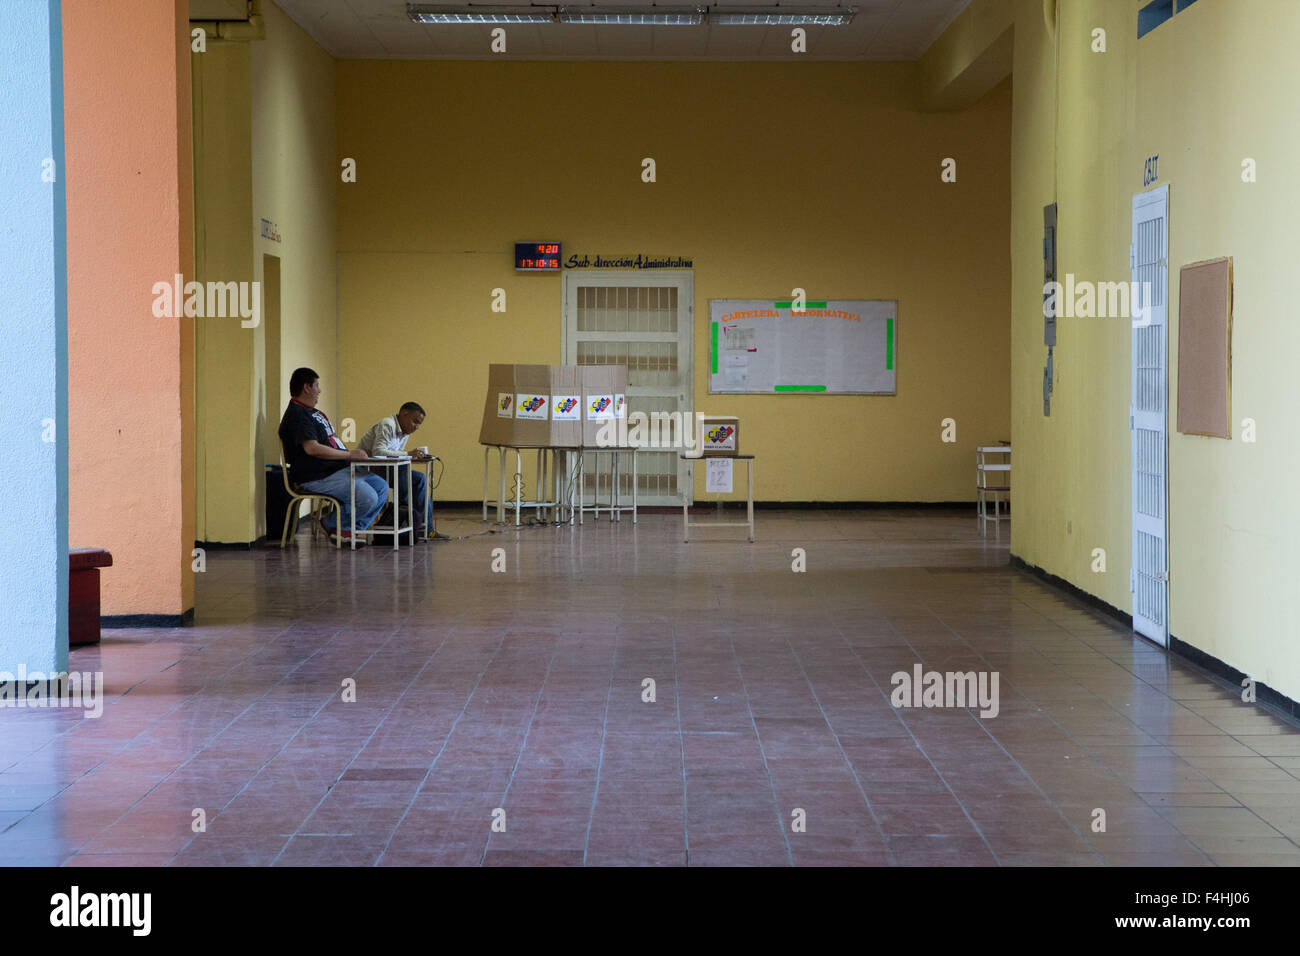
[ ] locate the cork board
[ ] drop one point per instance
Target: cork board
(1205, 348)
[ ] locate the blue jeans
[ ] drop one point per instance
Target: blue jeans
(372, 495)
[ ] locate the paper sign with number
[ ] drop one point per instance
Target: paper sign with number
(718, 477)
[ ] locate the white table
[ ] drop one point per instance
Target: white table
(396, 529)
(429, 531)
(687, 523)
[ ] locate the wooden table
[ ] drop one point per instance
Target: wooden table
(83, 593)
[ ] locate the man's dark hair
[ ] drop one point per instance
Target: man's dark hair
(300, 379)
(412, 407)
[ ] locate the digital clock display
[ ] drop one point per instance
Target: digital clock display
(537, 257)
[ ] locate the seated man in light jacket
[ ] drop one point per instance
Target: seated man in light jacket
(387, 437)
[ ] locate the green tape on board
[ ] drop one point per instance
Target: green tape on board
(713, 352)
(799, 388)
(806, 305)
(889, 342)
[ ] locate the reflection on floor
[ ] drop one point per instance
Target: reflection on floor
(505, 718)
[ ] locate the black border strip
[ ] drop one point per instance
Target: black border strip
(122, 621)
(233, 545)
(1265, 696)
(1086, 597)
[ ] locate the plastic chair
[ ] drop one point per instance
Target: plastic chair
(324, 502)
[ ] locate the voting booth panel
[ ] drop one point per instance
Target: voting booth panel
(553, 406)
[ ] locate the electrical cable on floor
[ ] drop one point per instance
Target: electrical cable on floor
(575, 476)
(517, 488)
(524, 523)
(439, 536)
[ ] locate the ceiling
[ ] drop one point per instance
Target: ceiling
(380, 29)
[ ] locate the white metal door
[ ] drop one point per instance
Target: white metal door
(646, 322)
(1148, 417)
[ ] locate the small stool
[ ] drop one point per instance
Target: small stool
(83, 593)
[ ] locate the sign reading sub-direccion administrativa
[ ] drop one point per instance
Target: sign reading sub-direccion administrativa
(639, 261)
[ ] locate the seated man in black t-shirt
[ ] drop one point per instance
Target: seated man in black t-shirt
(318, 460)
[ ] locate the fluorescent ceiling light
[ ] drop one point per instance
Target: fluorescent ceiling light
(632, 16)
(624, 16)
(781, 16)
(485, 13)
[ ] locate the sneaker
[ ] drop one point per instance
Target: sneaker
(345, 538)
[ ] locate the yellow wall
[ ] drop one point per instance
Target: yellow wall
(971, 56)
(770, 177)
(224, 350)
(1203, 91)
(264, 148)
(826, 176)
(294, 170)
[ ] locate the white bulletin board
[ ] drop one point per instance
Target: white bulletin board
(839, 346)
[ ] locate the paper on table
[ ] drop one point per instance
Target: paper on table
(718, 477)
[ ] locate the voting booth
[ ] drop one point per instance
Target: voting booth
(554, 406)
(557, 410)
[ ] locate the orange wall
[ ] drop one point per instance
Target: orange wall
(126, 78)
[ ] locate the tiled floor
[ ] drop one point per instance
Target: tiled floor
(499, 717)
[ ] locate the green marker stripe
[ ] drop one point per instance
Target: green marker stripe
(889, 342)
(713, 351)
(800, 388)
(806, 305)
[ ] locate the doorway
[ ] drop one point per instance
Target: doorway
(274, 394)
(1148, 416)
(646, 322)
